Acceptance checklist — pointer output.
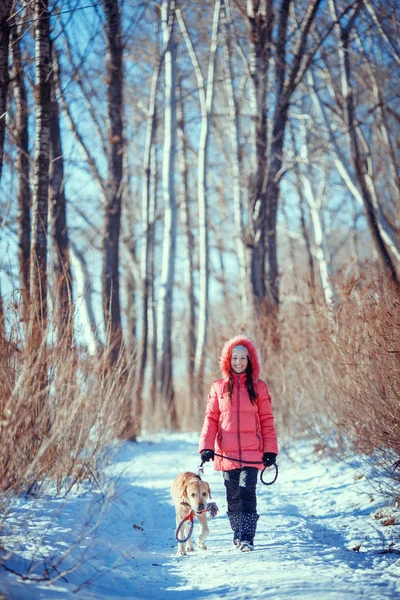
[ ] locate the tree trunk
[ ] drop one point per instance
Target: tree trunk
(22, 166)
(38, 261)
(152, 309)
(112, 224)
(147, 240)
(164, 326)
(234, 136)
(84, 292)
(259, 24)
(190, 249)
(58, 215)
(5, 9)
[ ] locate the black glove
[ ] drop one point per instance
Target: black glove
(269, 459)
(207, 455)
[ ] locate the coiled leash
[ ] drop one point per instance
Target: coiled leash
(211, 508)
(247, 462)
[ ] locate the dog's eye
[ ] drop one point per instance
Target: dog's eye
(204, 494)
(193, 495)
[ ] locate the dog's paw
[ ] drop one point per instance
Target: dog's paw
(190, 549)
(201, 546)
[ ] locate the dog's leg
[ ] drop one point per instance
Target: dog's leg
(189, 543)
(204, 533)
(182, 534)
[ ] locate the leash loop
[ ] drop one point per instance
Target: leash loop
(212, 509)
(189, 517)
(275, 476)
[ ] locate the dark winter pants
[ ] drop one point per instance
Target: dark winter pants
(240, 485)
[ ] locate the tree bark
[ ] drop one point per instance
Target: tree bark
(147, 239)
(22, 166)
(234, 136)
(115, 150)
(38, 261)
(5, 10)
(189, 262)
(164, 320)
(84, 292)
(58, 215)
(260, 28)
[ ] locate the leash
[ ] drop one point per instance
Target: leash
(211, 508)
(246, 462)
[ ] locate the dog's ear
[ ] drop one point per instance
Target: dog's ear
(183, 495)
(209, 490)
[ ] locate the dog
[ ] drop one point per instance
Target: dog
(190, 493)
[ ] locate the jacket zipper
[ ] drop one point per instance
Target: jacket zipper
(238, 419)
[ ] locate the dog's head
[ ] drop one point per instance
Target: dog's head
(196, 492)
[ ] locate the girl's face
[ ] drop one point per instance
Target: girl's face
(239, 361)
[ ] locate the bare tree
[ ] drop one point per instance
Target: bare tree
(164, 319)
(234, 136)
(38, 261)
(269, 148)
(5, 11)
(58, 216)
(23, 164)
(113, 203)
(360, 157)
(146, 262)
(206, 96)
(190, 249)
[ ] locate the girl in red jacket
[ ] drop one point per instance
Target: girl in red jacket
(239, 424)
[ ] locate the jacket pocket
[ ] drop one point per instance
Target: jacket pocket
(260, 442)
(220, 439)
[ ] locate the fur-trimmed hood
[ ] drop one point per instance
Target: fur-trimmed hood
(226, 354)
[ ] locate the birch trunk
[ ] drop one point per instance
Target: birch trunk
(190, 249)
(206, 96)
(22, 166)
(38, 261)
(147, 237)
(152, 318)
(164, 318)
(234, 136)
(314, 201)
(5, 10)
(112, 224)
(58, 215)
(84, 303)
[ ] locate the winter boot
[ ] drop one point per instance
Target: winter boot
(248, 525)
(234, 520)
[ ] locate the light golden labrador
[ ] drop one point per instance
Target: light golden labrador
(189, 492)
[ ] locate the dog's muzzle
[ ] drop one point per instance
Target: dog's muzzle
(201, 507)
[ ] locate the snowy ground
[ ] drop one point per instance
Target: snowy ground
(318, 535)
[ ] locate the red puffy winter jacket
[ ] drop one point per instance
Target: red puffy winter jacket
(235, 427)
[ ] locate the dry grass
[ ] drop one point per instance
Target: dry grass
(59, 430)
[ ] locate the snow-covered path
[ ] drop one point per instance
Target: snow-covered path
(311, 521)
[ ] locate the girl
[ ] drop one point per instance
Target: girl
(239, 424)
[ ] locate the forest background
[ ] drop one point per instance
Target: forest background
(174, 173)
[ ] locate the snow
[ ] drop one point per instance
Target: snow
(318, 534)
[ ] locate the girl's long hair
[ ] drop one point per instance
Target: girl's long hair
(249, 384)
